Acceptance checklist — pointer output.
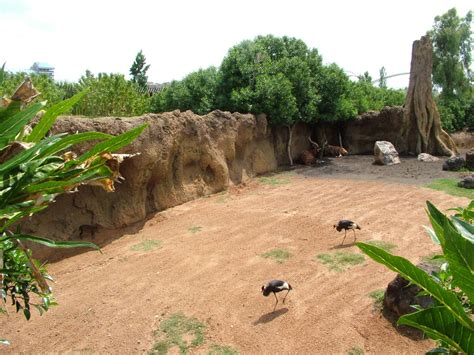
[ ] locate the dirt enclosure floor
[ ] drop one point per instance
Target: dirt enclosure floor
(204, 259)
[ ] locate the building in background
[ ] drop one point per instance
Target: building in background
(43, 68)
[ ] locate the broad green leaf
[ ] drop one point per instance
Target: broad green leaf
(437, 221)
(10, 110)
(28, 154)
(466, 229)
(51, 243)
(459, 252)
(12, 125)
(432, 235)
(47, 121)
(420, 278)
(72, 139)
(440, 324)
(114, 143)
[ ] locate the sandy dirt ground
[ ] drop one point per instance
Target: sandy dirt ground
(209, 266)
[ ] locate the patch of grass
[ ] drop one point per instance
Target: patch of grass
(194, 229)
(273, 181)
(279, 255)
(340, 261)
(355, 350)
(174, 330)
(382, 245)
(450, 186)
(377, 296)
(222, 350)
(147, 245)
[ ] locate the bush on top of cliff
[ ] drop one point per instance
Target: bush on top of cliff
(281, 77)
(111, 95)
(196, 92)
(274, 75)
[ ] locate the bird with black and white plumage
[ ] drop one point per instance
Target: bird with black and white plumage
(346, 225)
(276, 286)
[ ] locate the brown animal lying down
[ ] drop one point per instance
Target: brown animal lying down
(334, 151)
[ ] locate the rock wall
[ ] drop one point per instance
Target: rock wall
(359, 136)
(182, 156)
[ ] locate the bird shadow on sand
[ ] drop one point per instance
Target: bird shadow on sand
(343, 246)
(268, 317)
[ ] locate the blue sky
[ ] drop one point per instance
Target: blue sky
(178, 37)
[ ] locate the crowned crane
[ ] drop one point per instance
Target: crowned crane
(276, 286)
(346, 225)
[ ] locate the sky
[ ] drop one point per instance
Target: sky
(181, 36)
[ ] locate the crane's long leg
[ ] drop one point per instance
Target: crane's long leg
(286, 295)
(274, 294)
(354, 235)
(345, 232)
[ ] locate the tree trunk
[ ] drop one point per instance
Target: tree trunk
(422, 132)
(288, 148)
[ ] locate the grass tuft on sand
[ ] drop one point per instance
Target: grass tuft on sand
(340, 261)
(279, 255)
(147, 245)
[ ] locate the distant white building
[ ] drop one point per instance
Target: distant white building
(43, 68)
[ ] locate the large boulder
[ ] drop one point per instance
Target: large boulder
(467, 182)
(454, 164)
(425, 157)
(400, 296)
(385, 153)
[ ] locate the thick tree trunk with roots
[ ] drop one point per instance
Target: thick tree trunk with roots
(422, 130)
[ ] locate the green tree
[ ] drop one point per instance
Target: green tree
(196, 92)
(111, 95)
(286, 65)
(138, 71)
(452, 50)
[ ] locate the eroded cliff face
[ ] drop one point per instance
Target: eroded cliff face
(182, 156)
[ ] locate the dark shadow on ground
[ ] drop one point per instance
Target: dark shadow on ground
(268, 317)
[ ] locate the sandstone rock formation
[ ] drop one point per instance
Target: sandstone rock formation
(385, 153)
(182, 156)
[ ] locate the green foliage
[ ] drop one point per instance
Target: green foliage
(452, 57)
(448, 322)
(452, 51)
(34, 170)
(279, 255)
(147, 245)
(50, 91)
(450, 186)
(111, 95)
(138, 71)
(196, 92)
(340, 261)
(275, 69)
(172, 332)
